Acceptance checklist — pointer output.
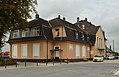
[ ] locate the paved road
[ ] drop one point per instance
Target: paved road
(87, 69)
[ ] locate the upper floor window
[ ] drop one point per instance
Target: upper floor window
(36, 31)
(57, 32)
(83, 26)
(77, 35)
(15, 34)
(82, 36)
(70, 46)
(87, 38)
(99, 42)
(25, 33)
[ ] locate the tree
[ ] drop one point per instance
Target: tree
(14, 15)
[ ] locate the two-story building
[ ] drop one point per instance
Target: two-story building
(33, 42)
(58, 39)
(98, 40)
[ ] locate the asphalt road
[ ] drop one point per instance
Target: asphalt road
(87, 69)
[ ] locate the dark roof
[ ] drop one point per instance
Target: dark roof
(89, 27)
(45, 28)
(70, 29)
(37, 22)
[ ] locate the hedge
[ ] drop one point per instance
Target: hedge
(8, 62)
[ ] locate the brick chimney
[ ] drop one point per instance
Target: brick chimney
(64, 18)
(86, 19)
(37, 16)
(59, 16)
(77, 20)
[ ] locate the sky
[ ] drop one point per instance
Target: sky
(98, 12)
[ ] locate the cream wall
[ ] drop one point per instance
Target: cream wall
(70, 53)
(99, 34)
(43, 49)
(62, 32)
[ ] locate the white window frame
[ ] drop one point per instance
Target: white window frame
(36, 50)
(77, 35)
(84, 51)
(77, 50)
(57, 53)
(14, 50)
(83, 26)
(26, 33)
(24, 51)
(83, 36)
(70, 46)
(36, 31)
(57, 32)
(15, 34)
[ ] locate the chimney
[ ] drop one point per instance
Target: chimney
(86, 19)
(64, 18)
(77, 20)
(59, 16)
(110, 48)
(37, 16)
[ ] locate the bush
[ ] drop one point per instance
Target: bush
(8, 62)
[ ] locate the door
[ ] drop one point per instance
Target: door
(57, 53)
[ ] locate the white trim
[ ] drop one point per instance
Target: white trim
(14, 50)
(83, 51)
(77, 50)
(36, 50)
(24, 50)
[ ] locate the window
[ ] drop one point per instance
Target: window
(91, 51)
(57, 32)
(24, 50)
(87, 38)
(83, 51)
(36, 49)
(77, 51)
(83, 26)
(82, 36)
(25, 33)
(36, 31)
(57, 53)
(99, 42)
(70, 46)
(14, 50)
(76, 35)
(15, 34)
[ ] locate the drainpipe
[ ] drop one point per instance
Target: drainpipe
(47, 47)
(90, 48)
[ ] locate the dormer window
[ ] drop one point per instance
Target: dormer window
(87, 38)
(25, 33)
(82, 36)
(83, 26)
(77, 35)
(36, 31)
(15, 34)
(57, 32)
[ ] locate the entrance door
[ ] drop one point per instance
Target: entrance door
(57, 53)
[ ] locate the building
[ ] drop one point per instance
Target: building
(57, 39)
(97, 37)
(32, 42)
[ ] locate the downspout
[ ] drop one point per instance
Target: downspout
(47, 47)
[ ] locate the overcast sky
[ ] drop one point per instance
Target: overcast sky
(99, 12)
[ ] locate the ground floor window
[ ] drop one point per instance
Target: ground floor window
(57, 53)
(77, 50)
(14, 50)
(36, 50)
(24, 50)
(83, 51)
